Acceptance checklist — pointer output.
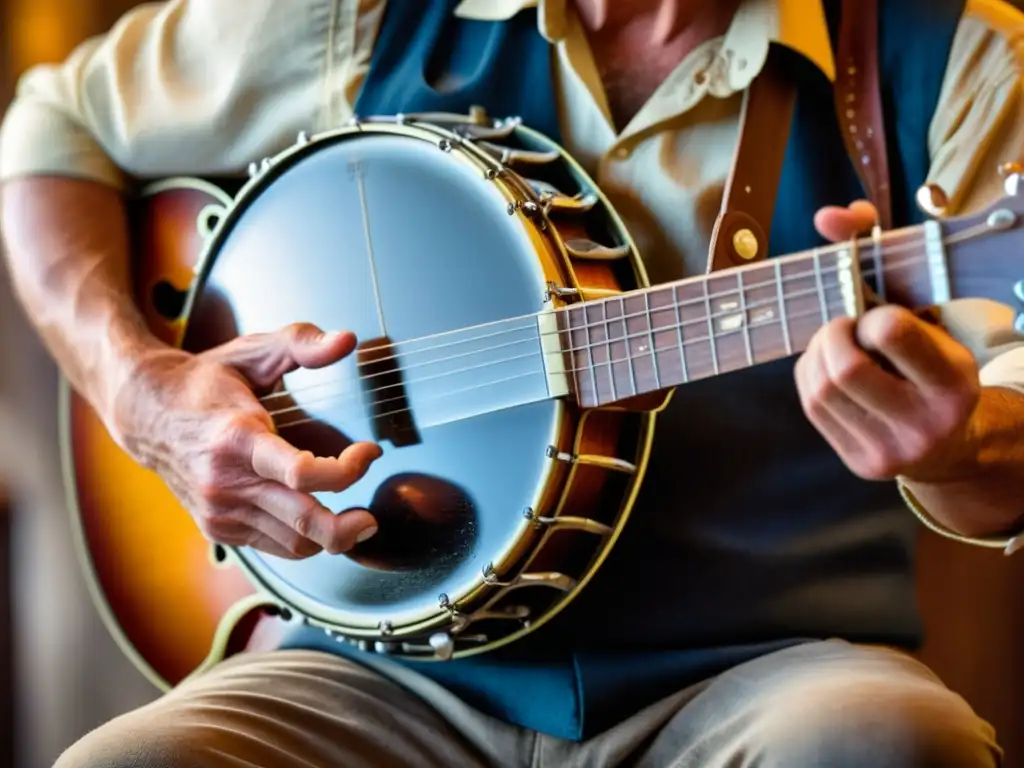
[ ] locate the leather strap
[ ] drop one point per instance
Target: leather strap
(858, 101)
(744, 223)
(743, 226)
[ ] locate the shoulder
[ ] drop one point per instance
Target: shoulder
(979, 103)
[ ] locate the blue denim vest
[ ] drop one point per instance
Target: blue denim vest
(749, 534)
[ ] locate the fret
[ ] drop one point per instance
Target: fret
(650, 340)
(711, 328)
(664, 329)
(590, 356)
(679, 334)
(821, 287)
(783, 317)
(627, 344)
(600, 351)
(745, 322)
(618, 348)
(764, 336)
(877, 250)
(643, 366)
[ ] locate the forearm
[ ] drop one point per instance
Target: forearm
(67, 246)
(984, 493)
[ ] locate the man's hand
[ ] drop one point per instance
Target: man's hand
(892, 394)
(196, 420)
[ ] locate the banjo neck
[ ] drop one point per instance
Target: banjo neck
(649, 340)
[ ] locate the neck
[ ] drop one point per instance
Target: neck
(659, 21)
(650, 340)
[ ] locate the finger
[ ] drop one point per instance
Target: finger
(836, 223)
(231, 532)
(309, 518)
(291, 543)
(264, 358)
(274, 458)
(809, 384)
(924, 355)
(858, 376)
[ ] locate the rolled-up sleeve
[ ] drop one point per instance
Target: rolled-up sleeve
(199, 87)
(978, 125)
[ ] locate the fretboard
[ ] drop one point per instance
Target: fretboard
(650, 340)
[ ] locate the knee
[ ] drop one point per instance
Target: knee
(128, 742)
(888, 723)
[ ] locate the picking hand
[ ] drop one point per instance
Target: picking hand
(892, 394)
(196, 420)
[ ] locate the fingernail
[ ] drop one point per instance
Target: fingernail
(366, 533)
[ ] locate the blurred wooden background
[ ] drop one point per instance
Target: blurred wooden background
(69, 677)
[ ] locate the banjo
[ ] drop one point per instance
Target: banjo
(513, 360)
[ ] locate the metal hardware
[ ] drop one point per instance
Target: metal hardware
(553, 199)
(936, 254)
(302, 139)
(560, 291)
(1018, 324)
(932, 200)
(265, 164)
(1018, 291)
(443, 645)
(617, 465)
(509, 613)
(508, 156)
(254, 169)
(565, 523)
(445, 145)
(557, 455)
(1001, 219)
(497, 131)
(745, 244)
(1012, 173)
(385, 628)
(588, 249)
(1012, 184)
(551, 579)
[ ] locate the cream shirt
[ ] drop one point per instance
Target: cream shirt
(203, 88)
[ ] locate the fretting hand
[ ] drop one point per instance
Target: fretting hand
(196, 420)
(892, 394)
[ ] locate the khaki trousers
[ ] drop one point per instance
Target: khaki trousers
(829, 704)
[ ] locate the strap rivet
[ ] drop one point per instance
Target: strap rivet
(744, 242)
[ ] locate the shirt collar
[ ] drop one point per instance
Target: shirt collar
(796, 24)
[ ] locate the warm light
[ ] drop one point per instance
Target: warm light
(44, 30)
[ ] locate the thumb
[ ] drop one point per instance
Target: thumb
(836, 223)
(263, 358)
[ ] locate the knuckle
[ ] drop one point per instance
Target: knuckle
(877, 464)
(298, 333)
(918, 442)
(214, 527)
(303, 523)
(850, 370)
(233, 431)
(891, 327)
(298, 469)
(207, 477)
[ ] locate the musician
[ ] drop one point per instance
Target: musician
(760, 604)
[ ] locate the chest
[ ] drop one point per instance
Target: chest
(631, 71)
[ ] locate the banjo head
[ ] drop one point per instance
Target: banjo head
(444, 262)
(407, 245)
